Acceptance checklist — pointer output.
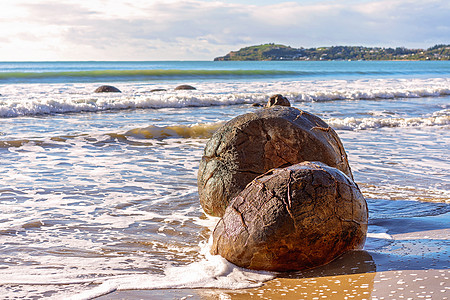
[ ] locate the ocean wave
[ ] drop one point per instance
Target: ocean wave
(352, 123)
(142, 135)
(137, 136)
(207, 130)
(80, 104)
(41, 99)
(175, 131)
(133, 75)
(67, 75)
(370, 95)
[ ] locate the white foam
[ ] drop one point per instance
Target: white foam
(377, 237)
(351, 123)
(378, 232)
(211, 272)
(381, 235)
(36, 99)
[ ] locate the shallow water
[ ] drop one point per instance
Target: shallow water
(98, 192)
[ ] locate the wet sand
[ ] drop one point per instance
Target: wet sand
(413, 264)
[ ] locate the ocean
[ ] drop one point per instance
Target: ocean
(98, 192)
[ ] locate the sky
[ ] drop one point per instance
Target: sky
(52, 30)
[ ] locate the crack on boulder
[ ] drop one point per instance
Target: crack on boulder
(300, 115)
(249, 171)
(241, 217)
(289, 189)
(265, 133)
(293, 150)
(327, 129)
(261, 185)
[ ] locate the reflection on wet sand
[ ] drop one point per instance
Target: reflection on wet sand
(407, 259)
(410, 261)
(351, 275)
(353, 262)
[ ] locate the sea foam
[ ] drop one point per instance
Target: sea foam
(211, 272)
(214, 272)
(140, 135)
(40, 99)
(352, 123)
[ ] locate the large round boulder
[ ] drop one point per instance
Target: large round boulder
(295, 218)
(252, 144)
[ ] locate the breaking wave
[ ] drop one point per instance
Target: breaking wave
(372, 123)
(135, 136)
(206, 130)
(176, 131)
(133, 75)
(41, 99)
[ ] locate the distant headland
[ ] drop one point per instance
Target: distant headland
(281, 52)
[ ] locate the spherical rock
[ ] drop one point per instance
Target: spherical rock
(185, 87)
(107, 89)
(252, 144)
(278, 100)
(299, 217)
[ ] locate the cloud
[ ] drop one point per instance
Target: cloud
(169, 22)
(195, 29)
(384, 23)
(57, 12)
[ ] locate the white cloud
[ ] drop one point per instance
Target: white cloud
(195, 29)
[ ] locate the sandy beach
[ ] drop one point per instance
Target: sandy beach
(414, 263)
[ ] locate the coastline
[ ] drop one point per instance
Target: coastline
(411, 264)
(279, 52)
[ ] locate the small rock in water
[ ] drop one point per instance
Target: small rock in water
(299, 217)
(257, 105)
(278, 100)
(107, 89)
(158, 90)
(185, 87)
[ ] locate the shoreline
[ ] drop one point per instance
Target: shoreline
(412, 265)
(409, 284)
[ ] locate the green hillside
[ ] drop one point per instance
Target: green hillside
(282, 52)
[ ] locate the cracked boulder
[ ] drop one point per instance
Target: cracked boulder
(290, 219)
(252, 144)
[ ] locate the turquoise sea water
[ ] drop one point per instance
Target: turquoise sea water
(99, 190)
(62, 72)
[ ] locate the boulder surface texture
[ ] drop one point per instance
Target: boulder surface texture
(107, 89)
(254, 143)
(295, 218)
